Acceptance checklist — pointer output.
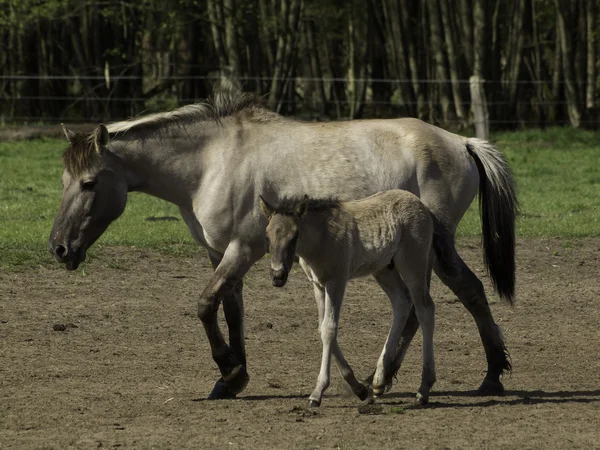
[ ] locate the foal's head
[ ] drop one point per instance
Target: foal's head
(282, 236)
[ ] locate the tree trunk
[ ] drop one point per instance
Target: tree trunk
(453, 61)
(412, 39)
(286, 49)
(435, 28)
(233, 56)
(478, 97)
(564, 27)
(215, 14)
(590, 94)
(466, 19)
(514, 51)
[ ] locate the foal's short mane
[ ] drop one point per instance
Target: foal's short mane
(81, 153)
(287, 205)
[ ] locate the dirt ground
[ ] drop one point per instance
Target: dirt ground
(132, 367)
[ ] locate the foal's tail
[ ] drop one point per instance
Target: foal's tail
(499, 207)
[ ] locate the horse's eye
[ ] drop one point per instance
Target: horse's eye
(267, 240)
(88, 185)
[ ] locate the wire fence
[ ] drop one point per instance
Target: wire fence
(89, 98)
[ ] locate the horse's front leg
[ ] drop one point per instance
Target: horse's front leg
(233, 307)
(334, 294)
(236, 261)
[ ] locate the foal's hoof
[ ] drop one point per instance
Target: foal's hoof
(378, 391)
(313, 404)
(490, 387)
(235, 384)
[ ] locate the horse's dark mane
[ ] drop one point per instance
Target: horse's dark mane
(287, 205)
(81, 153)
(220, 105)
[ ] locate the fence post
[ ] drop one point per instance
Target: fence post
(481, 117)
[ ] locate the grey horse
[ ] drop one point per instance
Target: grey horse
(214, 159)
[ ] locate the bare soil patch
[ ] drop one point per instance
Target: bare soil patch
(117, 358)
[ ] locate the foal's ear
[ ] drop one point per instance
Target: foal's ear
(70, 135)
(101, 138)
(265, 208)
(300, 208)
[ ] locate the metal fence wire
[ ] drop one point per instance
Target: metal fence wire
(83, 98)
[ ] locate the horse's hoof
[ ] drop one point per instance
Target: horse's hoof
(238, 381)
(313, 404)
(490, 387)
(421, 400)
(233, 386)
(221, 391)
(363, 394)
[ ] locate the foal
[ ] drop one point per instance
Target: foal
(389, 235)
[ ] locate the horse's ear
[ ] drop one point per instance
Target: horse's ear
(68, 133)
(300, 208)
(265, 208)
(101, 138)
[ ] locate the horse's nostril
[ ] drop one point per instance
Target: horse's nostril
(60, 250)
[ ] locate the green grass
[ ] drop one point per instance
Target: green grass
(557, 172)
(558, 176)
(30, 192)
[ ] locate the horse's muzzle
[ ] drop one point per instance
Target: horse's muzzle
(279, 277)
(62, 254)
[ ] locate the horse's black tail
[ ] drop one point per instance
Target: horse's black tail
(499, 207)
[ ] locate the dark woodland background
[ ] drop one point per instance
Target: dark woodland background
(537, 60)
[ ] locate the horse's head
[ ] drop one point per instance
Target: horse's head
(94, 194)
(282, 236)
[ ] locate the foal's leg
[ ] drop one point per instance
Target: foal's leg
(236, 261)
(359, 389)
(334, 293)
(391, 282)
(233, 307)
(408, 333)
(469, 290)
(416, 274)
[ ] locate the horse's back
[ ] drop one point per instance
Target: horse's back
(356, 158)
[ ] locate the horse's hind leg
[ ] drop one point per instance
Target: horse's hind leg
(359, 389)
(469, 290)
(391, 282)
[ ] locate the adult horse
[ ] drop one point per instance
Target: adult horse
(214, 159)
